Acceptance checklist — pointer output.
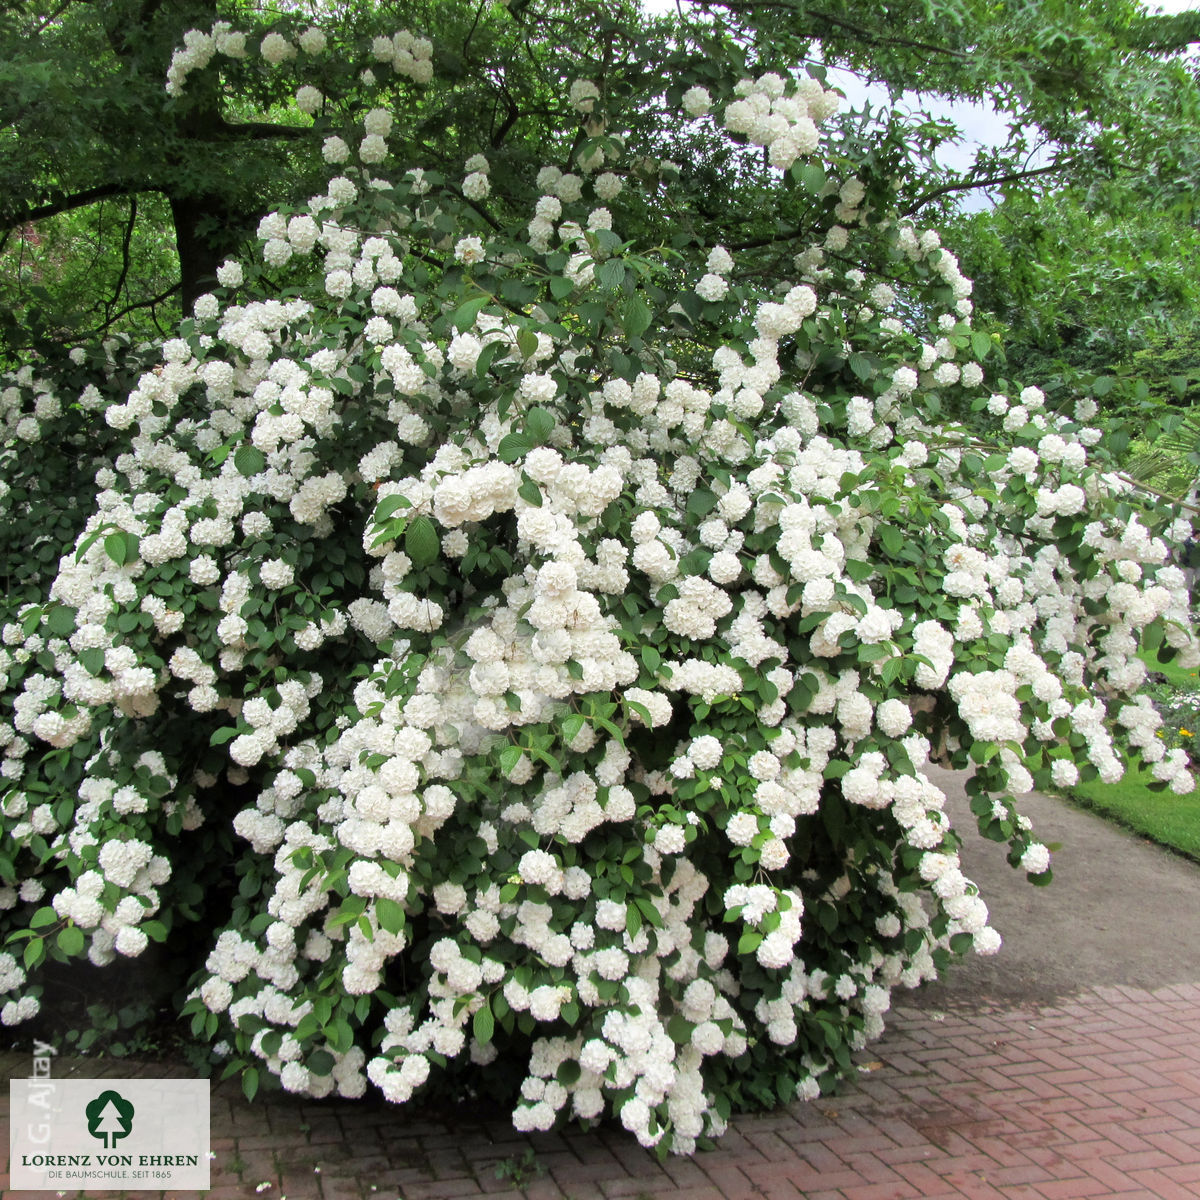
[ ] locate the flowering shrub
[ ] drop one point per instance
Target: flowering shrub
(549, 632)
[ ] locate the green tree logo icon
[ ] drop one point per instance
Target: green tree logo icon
(109, 1117)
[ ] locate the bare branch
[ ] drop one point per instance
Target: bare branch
(509, 121)
(125, 244)
(150, 303)
(474, 26)
(51, 17)
(1139, 486)
(487, 216)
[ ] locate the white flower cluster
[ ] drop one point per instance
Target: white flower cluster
(786, 125)
(199, 49)
(409, 55)
(583, 94)
(475, 186)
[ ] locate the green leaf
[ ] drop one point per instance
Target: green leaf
(527, 343)
(636, 317)
(529, 491)
(561, 287)
(60, 621)
(249, 460)
(92, 660)
(483, 1025)
(861, 365)
(980, 343)
(513, 446)
(35, 948)
(486, 355)
(389, 506)
(43, 918)
(390, 914)
(87, 543)
(810, 175)
(539, 424)
(680, 1029)
(509, 757)
(571, 727)
(116, 546)
(611, 274)
(465, 313)
(225, 734)
(649, 911)
(320, 1062)
(749, 941)
(250, 1082)
(70, 940)
(421, 542)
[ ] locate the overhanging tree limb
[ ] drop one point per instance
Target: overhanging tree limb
(1164, 32)
(964, 185)
(870, 36)
(74, 201)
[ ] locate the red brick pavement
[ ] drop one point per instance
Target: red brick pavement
(1098, 1096)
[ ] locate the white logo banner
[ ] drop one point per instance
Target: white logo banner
(120, 1134)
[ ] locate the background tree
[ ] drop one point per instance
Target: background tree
(1087, 278)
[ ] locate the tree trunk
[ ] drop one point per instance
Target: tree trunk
(207, 229)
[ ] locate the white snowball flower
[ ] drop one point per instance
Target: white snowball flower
(469, 250)
(696, 102)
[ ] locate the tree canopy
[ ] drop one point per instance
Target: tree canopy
(87, 127)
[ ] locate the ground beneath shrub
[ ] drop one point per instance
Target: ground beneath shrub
(1120, 910)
